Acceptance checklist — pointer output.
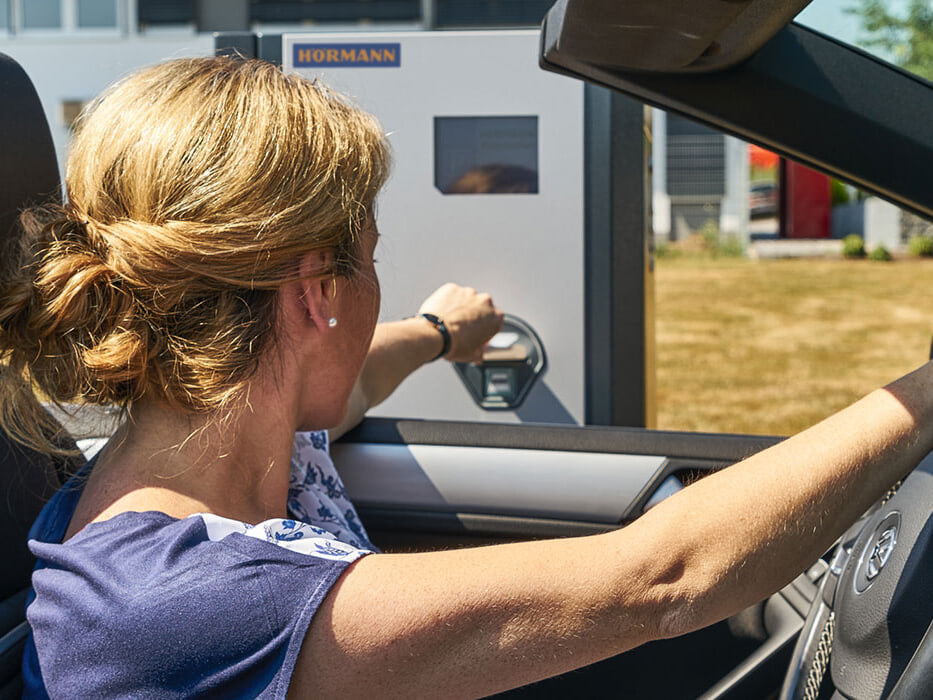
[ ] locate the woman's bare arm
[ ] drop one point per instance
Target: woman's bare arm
(399, 348)
(472, 622)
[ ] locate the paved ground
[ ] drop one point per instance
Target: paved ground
(795, 248)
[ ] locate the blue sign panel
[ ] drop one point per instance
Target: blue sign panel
(347, 55)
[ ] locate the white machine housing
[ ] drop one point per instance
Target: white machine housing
(526, 249)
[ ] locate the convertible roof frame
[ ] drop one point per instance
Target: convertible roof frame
(803, 95)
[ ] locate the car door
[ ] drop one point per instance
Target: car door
(427, 484)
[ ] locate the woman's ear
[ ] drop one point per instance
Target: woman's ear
(317, 286)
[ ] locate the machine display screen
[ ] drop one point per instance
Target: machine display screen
(486, 155)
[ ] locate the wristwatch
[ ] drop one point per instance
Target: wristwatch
(442, 329)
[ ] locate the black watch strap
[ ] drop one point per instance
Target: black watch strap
(442, 329)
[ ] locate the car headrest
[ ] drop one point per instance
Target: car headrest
(28, 167)
(28, 176)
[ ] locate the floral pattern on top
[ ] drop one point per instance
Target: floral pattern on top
(290, 534)
(316, 494)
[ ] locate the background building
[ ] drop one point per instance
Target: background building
(699, 176)
(73, 49)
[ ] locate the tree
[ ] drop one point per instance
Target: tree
(906, 39)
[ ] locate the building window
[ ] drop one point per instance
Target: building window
(97, 14)
(160, 13)
(70, 109)
(42, 14)
(696, 160)
(342, 11)
(494, 13)
(61, 15)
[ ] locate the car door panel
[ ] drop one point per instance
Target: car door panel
(518, 482)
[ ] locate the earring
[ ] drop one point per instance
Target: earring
(332, 322)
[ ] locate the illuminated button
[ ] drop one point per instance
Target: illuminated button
(500, 382)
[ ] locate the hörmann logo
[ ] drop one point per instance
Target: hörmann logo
(347, 55)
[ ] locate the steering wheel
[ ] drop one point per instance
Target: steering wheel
(868, 633)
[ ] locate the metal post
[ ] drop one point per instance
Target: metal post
(428, 14)
(269, 48)
(619, 278)
(222, 15)
(235, 44)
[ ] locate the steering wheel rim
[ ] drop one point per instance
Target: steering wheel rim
(868, 629)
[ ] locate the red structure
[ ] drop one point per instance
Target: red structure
(762, 159)
(805, 202)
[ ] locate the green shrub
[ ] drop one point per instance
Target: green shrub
(853, 246)
(718, 245)
(839, 193)
(920, 246)
(710, 234)
(880, 253)
(730, 247)
(706, 242)
(664, 249)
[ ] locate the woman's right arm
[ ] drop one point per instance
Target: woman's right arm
(476, 621)
(398, 348)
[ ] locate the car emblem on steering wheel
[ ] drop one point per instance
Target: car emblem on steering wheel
(884, 545)
(877, 551)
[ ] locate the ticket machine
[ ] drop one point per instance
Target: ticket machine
(492, 187)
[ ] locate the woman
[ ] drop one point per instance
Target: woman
(213, 273)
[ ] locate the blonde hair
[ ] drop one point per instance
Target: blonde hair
(193, 187)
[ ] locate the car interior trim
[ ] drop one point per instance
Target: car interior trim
(387, 526)
(678, 36)
(608, 439)
(539, 483)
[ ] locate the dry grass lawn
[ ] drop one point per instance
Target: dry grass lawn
(772, 346)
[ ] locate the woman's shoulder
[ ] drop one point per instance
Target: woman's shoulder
(209, 598)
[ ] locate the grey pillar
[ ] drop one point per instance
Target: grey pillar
(619, 294)
(223, 15)
(428, 15)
